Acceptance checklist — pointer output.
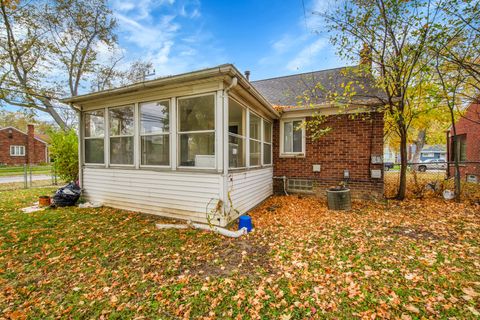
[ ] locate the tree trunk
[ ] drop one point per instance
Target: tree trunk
(51, 110)
(402, 187)
(419, 144)
(456, 159)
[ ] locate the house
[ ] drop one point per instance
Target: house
(208, 145)
(433, 152)
(390, 155)
(428, 152)
(466, 143)
(18, 148)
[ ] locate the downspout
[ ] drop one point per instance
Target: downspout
(226, 204)
(80, 145)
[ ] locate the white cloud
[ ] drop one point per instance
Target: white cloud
(162, 32)
(307, 55)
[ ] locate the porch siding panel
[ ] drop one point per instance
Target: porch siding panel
(182, 195)
(249, 188)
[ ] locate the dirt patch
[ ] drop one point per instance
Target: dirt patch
(416, 233)
(233, 256)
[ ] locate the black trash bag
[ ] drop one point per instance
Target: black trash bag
(67, 195)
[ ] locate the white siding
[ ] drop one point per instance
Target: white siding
(181, 195)
(248, 188)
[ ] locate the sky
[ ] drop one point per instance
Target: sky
(268, 37)
(271, 38)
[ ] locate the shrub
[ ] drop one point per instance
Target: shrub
(64, 153)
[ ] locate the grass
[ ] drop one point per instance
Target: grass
(34, 184)
(415, 259)
(20, 170)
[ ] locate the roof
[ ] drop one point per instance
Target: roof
(18, 130)
(435, 148)
(318, 87)
(220, 70)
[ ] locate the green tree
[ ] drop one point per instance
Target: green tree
(395, 34)
(455, 59)
(64, 153)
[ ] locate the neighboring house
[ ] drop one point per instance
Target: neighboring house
(208, 145)
(466, 143)
(433, 152)
(18, 147)
(389, 155)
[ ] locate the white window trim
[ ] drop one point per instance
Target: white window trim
(269, 143)
(284, 154)
(15, 149)
(169, 133)
(94, 137)
(178, 133)
(256, 140)
(245, 138)
(122, 136)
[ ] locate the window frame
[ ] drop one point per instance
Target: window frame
(284, 154)
(169, 133)
(249, 138)
(109, 136)
(104, 137)
(269, 143)
(15, 148)
(457, 142)
(178, 133)
(238, 136)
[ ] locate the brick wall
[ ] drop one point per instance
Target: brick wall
(470, 126)
(348, 146)
(35, 151)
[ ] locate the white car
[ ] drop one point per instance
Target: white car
(432, 164)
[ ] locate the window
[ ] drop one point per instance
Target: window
(196, 131)
(292, 137)
(121, 128)
(155, 133)
(267, 143)
(94, 133)
(459, 145)
(236, 135)
(255, 140)
(17, 151)
(300, 185)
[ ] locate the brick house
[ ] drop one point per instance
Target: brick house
(351, 152)
(210, 144)
(18, 147)
(467, 143)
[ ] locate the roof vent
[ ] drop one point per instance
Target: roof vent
(247, 74)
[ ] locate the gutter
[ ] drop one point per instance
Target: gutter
(226, 69)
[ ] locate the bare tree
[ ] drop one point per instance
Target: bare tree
(49, 48)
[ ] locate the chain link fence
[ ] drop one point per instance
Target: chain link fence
(27, 176)
(431, 179)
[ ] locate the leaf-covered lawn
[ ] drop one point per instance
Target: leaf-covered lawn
(417, 259)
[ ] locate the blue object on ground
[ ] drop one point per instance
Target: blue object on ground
(245, 222)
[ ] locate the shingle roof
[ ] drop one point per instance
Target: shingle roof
(435, 148)
(318, 87)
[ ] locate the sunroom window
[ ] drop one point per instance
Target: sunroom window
(196, 131)
(94, 133)
(155, 133)
(255, 140)
(236, 134)
(292, 140)
(267, 143)
(121, 131)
